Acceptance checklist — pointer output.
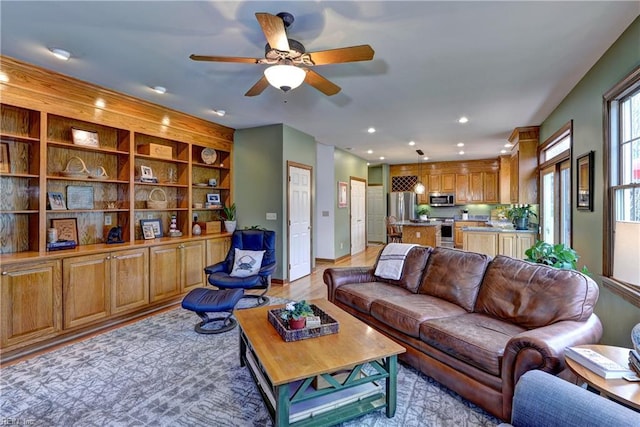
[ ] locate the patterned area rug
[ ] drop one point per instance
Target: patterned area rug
(159, 372)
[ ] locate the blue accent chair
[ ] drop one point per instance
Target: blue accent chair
(253, 240)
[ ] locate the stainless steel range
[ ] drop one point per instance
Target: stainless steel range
(446, 231)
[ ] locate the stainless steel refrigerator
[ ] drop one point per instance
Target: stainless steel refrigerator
(402, 205)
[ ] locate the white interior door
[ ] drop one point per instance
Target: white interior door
(376, 231)
(299, 222)
(358, 217)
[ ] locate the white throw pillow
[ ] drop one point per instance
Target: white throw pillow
(246, 263)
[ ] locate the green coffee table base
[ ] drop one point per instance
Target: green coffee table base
(279, 399)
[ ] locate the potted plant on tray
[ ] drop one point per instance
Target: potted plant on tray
(295, 313)
(423, 211)
(519, 215)
(230, 218)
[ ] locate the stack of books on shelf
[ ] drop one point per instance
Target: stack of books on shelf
(634, 361)
(597, 363)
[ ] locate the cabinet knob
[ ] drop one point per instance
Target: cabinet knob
(114, 257)
(4, 273)
(108, 257)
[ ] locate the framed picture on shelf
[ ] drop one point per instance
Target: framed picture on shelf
(4, 158)
(585, 182)
(155, 224)
(148, 232)
(79, 197)
(67, 228)
(146, 174)
(342, 194)
(214, 199)
(56, 201)
(84, 137)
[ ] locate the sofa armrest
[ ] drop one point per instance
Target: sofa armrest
(336, 277)
(543, 349)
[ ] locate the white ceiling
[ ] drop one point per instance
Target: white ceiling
(502, 64)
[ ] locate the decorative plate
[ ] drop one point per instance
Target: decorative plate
(209, 156)
(201, 184)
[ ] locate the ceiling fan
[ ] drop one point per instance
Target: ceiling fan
(288, 59)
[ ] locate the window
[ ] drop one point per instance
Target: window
(555, 182)
(622, 197)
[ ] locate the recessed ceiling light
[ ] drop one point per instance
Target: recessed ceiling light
(425, 158)
(60, 53)
(368, 164)
(4, 78)
(369, 151)
(220, 113)
(461, 152)
(371, 130)
(100, 103)
(412, 143)
(503, 151)
(159, 89)
(166, 121)
(508, 145)
(463, 119)
(381, 157)
(460, 144)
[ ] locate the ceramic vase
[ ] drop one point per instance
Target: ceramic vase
(297, 323)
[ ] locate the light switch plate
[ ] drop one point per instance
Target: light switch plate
(272, 215)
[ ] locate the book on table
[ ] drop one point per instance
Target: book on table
(597, 363)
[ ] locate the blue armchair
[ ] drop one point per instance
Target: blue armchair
(219, 274)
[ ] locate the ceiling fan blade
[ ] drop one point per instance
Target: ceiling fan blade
(345, 54)
(258, 88)
(273, 29)
(223, 59)
(323, 85)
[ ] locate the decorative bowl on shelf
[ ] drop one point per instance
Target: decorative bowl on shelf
(209, 156)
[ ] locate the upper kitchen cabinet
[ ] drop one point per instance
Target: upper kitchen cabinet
(523, 166)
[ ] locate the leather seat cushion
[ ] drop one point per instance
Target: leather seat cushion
(360, 296)
(405, 313)
(475, 338)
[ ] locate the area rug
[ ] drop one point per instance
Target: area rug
(159, 372)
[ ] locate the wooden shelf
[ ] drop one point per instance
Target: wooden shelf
(72, 146)
(5, 135)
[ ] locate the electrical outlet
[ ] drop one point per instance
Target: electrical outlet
(107, 220)
(341, 245)
(418, 234)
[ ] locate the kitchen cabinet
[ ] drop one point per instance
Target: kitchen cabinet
(442, 183)
(523, 167)
(491, 189)
(481, 242)
(30, 298)
(175, 269)
(86, 290)
(129, 278)
(515, 244)
(458, 233)
(462, 188)
(425, 235)
(217, 250)
(492, 243)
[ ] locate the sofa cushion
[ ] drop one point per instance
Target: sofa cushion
(405, 313)
(475, 338)
(454, 276)
(412, 269)
(360, 295)
(535, 295)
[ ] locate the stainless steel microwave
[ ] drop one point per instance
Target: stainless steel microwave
(442, 199)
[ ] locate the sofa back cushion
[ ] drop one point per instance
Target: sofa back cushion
(412, 269)
(454, 275)
(535, 295)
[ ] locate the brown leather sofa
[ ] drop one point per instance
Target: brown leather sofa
(473, 323)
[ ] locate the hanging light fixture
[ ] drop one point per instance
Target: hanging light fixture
(285, 76)
(419, 188)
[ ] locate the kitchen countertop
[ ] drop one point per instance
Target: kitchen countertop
(420, 224)
(497, 230)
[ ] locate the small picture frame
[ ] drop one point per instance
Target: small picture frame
(67, 229)
(146, 172)
(84, 137)
(156, 225)
(79, 197)
(584, 166)
(214, 199)
(5, 164)
(342, 194)
(148, 232)
(56, 201)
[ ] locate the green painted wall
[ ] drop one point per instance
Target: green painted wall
(583, 105)
(347, 166)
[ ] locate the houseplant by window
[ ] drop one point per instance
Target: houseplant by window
(230, 218)
(559, 256)
(519, 215)
(423, 211)
(296, 314)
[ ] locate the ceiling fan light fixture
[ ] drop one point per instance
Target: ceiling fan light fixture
(285, 77)
(60, 53)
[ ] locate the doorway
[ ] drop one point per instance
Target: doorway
(376, 230)
(358, 216)
(299, 224)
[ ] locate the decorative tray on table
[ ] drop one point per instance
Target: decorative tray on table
(328, 325)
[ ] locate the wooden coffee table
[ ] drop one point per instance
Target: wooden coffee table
(286, 372)
(616, 389)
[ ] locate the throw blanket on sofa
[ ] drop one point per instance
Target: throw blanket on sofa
(392, 260)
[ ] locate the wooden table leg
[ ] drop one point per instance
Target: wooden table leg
(392, 385)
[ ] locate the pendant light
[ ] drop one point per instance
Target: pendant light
(419, 188)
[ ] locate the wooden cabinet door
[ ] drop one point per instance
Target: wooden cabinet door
(525, 241)
(129, 280)
(448, 182)
(491, 187)
(164, 272)
(434, 184)
(481, 242)
(217, 250)
(30, 298)
(507, 244)
(462, 188)
(192, 265)
(85, 289)
(514, 178)
(475, 187)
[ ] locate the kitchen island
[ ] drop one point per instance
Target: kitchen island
(425, 233)
(498, 241)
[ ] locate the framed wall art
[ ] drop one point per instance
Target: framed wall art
(79, 197)
(67, 228)
(342, 194)
(84, 137)
(155, 223)
(56, 201)
(584, 166)
(148, 232)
